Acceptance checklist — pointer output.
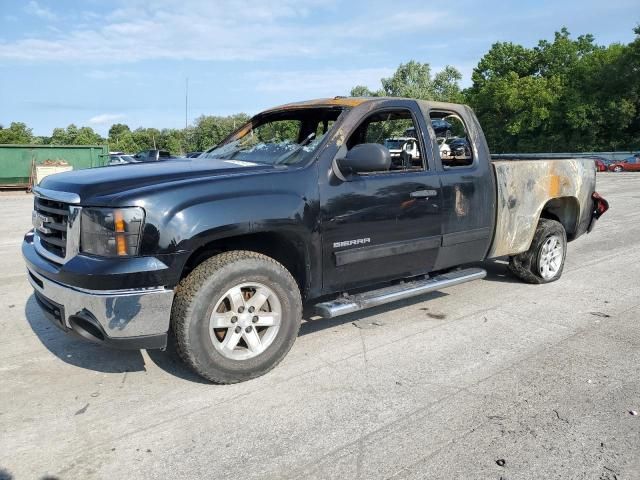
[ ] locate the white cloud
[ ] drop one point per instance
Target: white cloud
(326, 82)
(105, 118)
(221, 30)
(34, 8)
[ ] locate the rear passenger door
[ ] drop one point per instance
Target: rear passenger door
(468, 185)
(386, 224)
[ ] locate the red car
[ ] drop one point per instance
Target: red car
(600, 165)
(631, 164)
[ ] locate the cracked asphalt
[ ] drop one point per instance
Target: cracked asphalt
(487, 380)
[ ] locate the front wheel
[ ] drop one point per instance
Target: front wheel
(617, 168)
(236, 316)
(544, 261)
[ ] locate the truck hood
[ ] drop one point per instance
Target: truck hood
(94, 183)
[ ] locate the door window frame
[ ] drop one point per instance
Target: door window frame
(432, 134)
(420, 139)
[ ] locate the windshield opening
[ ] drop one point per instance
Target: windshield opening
(285, 137)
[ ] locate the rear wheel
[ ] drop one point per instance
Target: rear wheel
(617, 168)
(236, 316)
(544, 261)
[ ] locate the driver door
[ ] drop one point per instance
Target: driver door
(382, 225)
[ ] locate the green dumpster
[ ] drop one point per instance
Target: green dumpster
(16, 160)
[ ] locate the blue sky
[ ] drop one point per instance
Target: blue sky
(97, 62)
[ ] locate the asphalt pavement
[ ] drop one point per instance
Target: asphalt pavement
(487, 380)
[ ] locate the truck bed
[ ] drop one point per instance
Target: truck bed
(525, 186)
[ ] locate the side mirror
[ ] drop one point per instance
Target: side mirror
(366, 157)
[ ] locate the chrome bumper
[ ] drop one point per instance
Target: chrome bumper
(137, 318)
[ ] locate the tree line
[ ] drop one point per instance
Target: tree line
(567, 94)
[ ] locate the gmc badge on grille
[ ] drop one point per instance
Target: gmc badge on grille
(38, 220)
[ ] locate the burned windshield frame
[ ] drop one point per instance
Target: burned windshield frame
(313, 126)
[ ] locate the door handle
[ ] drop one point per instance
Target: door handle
(424, 193)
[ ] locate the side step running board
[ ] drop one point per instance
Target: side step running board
(373, 298)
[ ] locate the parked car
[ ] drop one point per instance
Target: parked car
(152, 155)
(630, 164)
(225, 249)
(602, 163)
(441, 128)
(404, 151)
(453, 148)
(121, 159)
(459, 147)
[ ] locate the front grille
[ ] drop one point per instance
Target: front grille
(53, 235)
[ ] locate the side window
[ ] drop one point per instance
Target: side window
(394, 130)
(453, 141)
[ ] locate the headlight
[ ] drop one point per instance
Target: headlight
(110, 232)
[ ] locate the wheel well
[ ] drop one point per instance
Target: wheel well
(280, 247)
(564, 210)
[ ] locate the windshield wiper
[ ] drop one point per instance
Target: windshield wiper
(300, 146)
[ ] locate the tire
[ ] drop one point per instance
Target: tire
(222, 289)
(535, 265)
(617, 168)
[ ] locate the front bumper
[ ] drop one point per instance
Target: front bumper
(122, 318)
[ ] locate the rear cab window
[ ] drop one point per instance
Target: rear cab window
(452, 137)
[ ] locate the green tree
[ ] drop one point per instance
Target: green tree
(362, 91)
(562, 95)
(17, 133)
(415, 80)
(73, 135)
(118, 129)
(86, 136)
(208, 131)
(171, 139)
(121, 139)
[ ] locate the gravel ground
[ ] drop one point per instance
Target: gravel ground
(491, 379)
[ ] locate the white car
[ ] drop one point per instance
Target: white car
(445, 151)
(396, 145)
(121, 159)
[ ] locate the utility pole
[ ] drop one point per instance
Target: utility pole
(186, 104)
(186, 116)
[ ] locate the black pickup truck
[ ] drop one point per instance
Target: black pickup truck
(303, 204)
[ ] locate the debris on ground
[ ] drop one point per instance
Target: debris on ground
(559, 417)
(501, 462)
(437, 316)
(633, 412)
(366, 324)
(82, 410)
(600, 314)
